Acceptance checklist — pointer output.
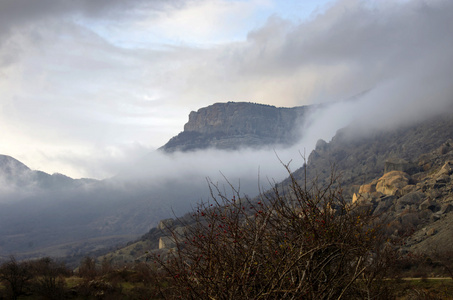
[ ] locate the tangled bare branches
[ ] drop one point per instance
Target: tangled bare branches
(290, 244)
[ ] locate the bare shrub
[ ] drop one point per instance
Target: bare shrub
(303, 242)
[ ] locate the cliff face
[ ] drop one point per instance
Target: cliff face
(233, 125)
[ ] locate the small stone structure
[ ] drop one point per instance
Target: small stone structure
(166, 242)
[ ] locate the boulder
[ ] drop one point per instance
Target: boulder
(429, 204)
(446, 170)
(411, 200)
(392, 183)
(431, 231)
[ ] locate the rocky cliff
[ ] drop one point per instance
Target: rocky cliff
(238, 124)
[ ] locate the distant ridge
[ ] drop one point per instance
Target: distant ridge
(15, 173)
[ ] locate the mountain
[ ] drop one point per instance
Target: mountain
(403, 175)
(234, 125)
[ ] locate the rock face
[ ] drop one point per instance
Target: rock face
(238, 124)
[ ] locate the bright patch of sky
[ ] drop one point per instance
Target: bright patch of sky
(202, 24)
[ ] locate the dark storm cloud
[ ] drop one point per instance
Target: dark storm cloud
(16, 13)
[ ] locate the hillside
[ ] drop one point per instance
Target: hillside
(404, 176)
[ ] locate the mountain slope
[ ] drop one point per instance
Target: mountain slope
(361, 157)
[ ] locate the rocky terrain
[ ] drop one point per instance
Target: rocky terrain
(416, 200)
(234, 125)
(361, 157)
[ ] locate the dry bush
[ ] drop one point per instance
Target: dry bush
(16, 277)
(303, 242)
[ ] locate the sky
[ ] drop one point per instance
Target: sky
(89, 86)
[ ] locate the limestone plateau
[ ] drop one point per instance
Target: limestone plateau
(234, 125)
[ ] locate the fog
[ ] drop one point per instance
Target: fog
(371, 66)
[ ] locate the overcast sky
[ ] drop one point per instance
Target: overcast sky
(86, 86)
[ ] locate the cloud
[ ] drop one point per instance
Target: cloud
(85, 75)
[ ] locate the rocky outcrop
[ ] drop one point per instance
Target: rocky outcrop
(420, 206)
(234, 125)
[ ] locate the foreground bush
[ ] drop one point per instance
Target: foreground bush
(44, 278)
(304, 242)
